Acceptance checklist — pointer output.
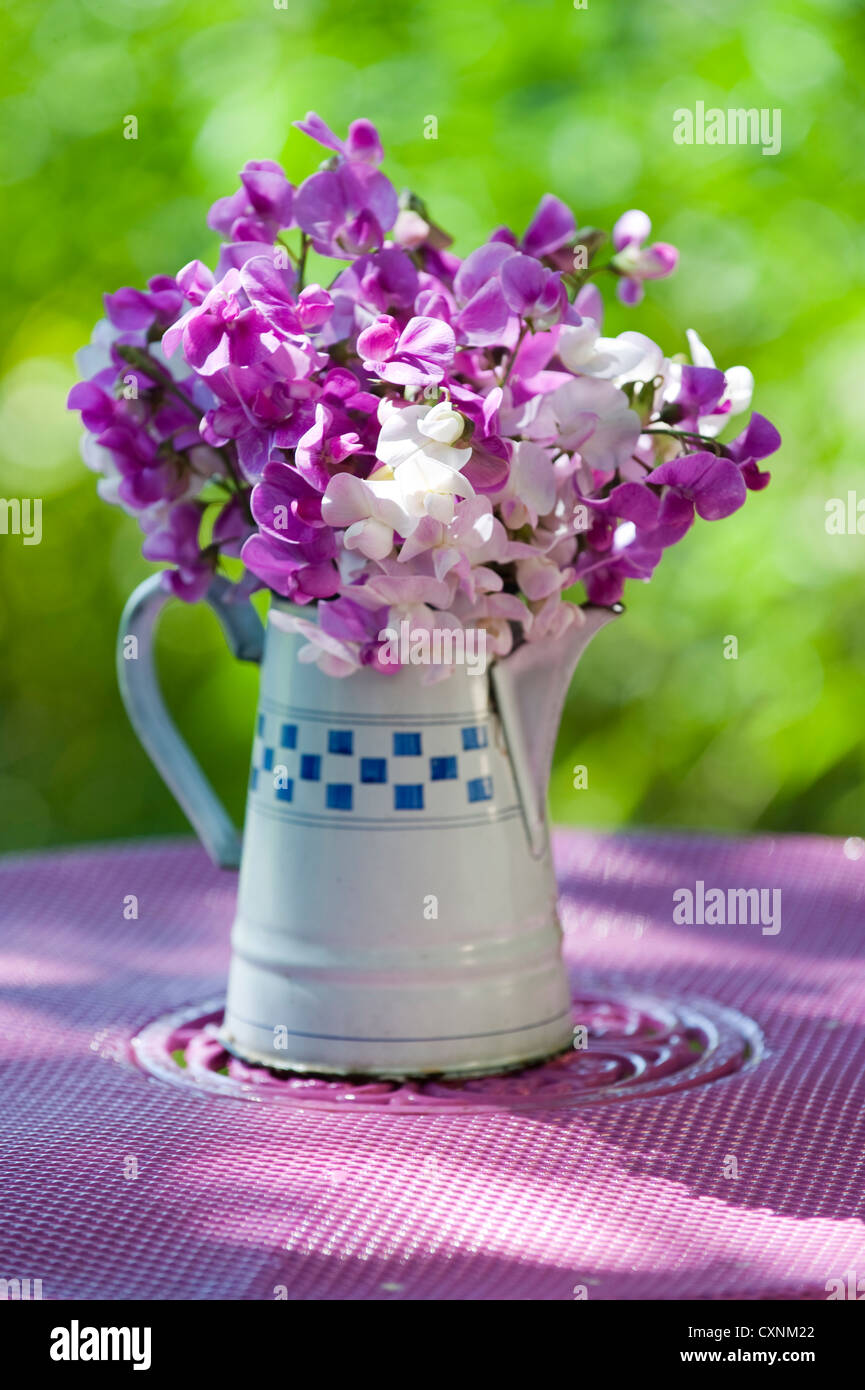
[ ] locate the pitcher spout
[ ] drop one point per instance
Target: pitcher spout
(530, 688)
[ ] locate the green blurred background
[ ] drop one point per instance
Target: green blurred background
(529, 97)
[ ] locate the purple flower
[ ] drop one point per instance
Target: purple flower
(347, 621)
(260, 208)
(757, 441)
(426, 437)
(98, 407)
(346, 209)
(327, 443)
(286, 507)
(231, 527)
(283, 568)
(604, 576)
(361, 143)
(484, 313)
(141, 309)
(532, 291)
(496, 282)
(551, 227)
(636, 262)
(416, 356)
(220, 332)
(175, 540)
(700, 391)
(713, 485)
(147, 476)
(385, 282)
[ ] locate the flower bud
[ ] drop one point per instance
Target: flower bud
(442, 423)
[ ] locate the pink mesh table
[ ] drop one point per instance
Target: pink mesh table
(705, 1140)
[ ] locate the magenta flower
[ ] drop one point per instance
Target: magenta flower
(446, 440)
(220, 332)
(635, 262)
(757, 441)
(416, 356)
(483, 313)
(533, 292)
(713, 485)
(325, 445)
(260, 208)
(551, 228)
(699, 394)
(385, 282)
(160, 303)
(266, 289)
(286, 507)
(346, 210)
(175, 540)
(281, 565)
(361, 144)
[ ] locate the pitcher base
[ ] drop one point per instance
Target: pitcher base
(507, 1059)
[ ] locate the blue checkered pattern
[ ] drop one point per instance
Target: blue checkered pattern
(311, 766)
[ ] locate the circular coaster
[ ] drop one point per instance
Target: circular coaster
(626, 1047)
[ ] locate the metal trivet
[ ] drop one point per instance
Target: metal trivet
(629, 1047)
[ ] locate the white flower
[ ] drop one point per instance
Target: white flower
(391, 500)
(419, 473)
(530, 491)
(333, 657)
(629, 357)
(371, 513)
(421, 434)
(593, 416)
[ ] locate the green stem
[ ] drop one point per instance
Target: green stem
(687, 434)
(523, 331)
(579, 278)
(301, 264)
(137, 357)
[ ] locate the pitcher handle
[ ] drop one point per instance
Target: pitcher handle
(159, 736)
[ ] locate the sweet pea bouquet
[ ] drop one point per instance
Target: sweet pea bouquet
(450, 441)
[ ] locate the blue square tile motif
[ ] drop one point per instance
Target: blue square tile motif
(268, 760)
(443, 769)
(406, 745)
(253, 779)
(373, 769)
(480, 788)
(408, 798)
(475, 736)
(285, 793)
(260, 726)
(340, 741)
(310, 767)
(339, 796)
(289, 736)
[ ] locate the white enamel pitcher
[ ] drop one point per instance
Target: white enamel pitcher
(396, 910)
